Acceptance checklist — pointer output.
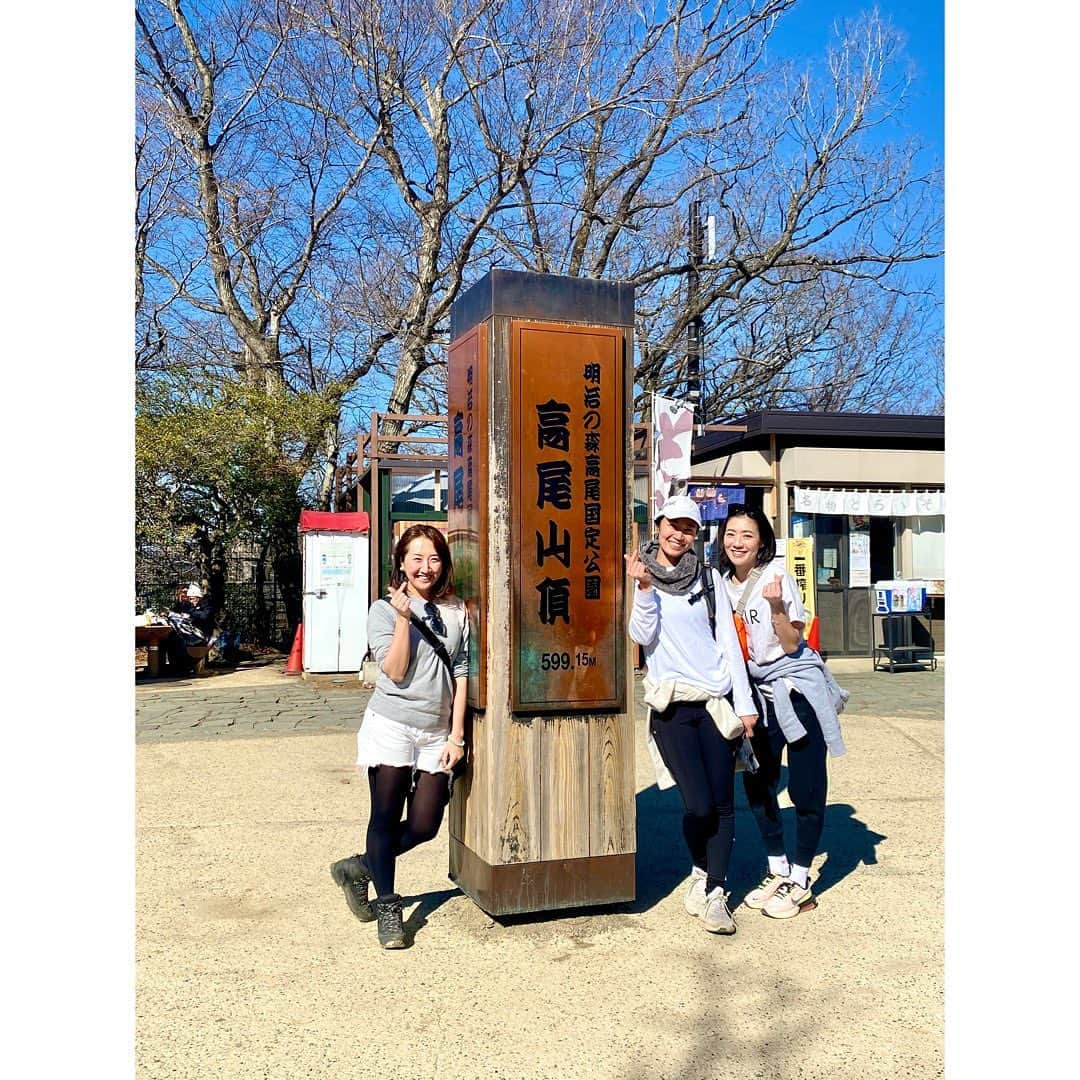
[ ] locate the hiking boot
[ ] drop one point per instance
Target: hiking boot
(353, 876)
(786, 902)
(717, 916)
(768, 885)
(694, 901)
(391, 928)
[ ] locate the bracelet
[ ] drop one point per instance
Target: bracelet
(459, 745)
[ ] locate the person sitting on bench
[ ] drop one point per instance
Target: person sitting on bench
(193, 626)
(202, 612)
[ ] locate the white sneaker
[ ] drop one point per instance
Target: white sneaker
(694, 901)
(788, 900)
(756, 898)
(718, 918)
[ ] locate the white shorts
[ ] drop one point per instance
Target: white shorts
(382, 741)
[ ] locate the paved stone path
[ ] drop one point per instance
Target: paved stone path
(276, 705)
(915, 694)
(289, 708)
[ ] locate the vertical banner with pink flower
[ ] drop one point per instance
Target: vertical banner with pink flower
(673, 431)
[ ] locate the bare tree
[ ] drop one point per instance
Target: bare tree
(319, 179)
(808, 200)
(566, 107)
(818, 346)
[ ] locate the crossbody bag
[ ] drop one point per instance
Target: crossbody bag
(432, 639)
(746, 759)
(740, 622)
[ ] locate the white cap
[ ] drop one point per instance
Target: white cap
(195, 590)
(680, 506)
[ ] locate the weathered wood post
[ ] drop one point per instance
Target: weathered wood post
(539, 516)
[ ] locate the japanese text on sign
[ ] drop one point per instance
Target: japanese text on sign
(799, 557)
(467, 510)
(568, 503)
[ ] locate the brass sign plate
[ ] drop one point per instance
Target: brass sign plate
(566, 501)
(467, 433)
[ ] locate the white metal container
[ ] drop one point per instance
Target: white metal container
(335, 600)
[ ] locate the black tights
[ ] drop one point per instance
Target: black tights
(387, 835)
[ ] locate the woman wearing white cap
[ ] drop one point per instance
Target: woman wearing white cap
(699, 696)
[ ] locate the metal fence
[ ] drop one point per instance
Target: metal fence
(254, 608)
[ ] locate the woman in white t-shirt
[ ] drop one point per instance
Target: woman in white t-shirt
(692, 668)
(774, 619)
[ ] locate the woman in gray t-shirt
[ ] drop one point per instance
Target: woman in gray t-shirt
(413, 733)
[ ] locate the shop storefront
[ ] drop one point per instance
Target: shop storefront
(867, 489)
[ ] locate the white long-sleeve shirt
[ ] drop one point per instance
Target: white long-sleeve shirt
(678, 645)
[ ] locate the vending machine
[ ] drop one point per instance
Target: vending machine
(892, 597)
(336, 552)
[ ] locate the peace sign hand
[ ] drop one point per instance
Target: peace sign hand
(774, 593)
(636, 568)
(399, 600)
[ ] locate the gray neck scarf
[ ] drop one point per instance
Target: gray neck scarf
(677, 579)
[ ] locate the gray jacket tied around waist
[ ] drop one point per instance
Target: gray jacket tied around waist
(807, 673)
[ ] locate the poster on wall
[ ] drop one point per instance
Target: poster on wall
(336, 566)
(799, 558)
(713, 500)
(859, 560)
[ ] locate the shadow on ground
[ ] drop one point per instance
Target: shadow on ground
(714, 1039)
(663, 862)
(215, 669)
(429, 902)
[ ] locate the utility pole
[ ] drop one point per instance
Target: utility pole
(695, 332)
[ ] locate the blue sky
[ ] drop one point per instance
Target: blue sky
(806, 31)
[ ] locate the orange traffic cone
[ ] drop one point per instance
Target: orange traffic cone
(296, 657)
(813, 639)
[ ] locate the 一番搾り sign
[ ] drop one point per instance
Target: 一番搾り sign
(567, 504)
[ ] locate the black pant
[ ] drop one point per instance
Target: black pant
(176, 651)
(808, 782)
(702, 762)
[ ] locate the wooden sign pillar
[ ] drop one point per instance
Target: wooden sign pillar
(540, 472)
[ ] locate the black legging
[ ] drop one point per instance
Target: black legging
(702, 762)
(808, 782)
(387, 835)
